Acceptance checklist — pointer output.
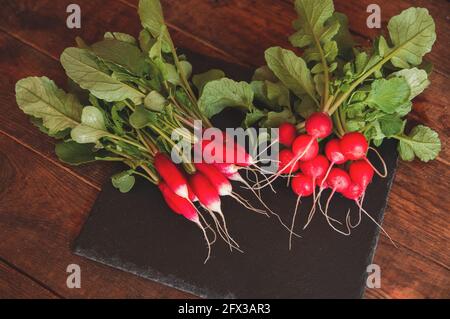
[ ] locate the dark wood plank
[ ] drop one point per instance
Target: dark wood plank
(17, 61)
(405, 274)
(15, 285)
(42, 24)
(41, 211)
(262, 27)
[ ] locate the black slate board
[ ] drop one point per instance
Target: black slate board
(137, 233)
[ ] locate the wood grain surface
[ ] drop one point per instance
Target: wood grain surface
(43, 203)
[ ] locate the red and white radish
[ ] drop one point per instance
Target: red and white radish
(171, 175)
(209, 198)
(223, 185)
(183, 207)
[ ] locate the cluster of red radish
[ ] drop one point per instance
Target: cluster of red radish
(205, 187)
(344, 167)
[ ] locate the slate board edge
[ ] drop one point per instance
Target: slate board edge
(376, 239)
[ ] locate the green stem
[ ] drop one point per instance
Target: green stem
(343, 97)
(118, 138)
(153, 178)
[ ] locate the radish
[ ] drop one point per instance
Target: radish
(305, 148)
(171, 175)
(286, 164)
(335, 156)
(319, 125)
(286, 134)
(339, 181)
(216, 151)
(356, 192)
(316, 169)
(223, 185)
(355, 147)
(183, 207)
(226, 168)
(209, 198)
(361, 173)
(303, 186)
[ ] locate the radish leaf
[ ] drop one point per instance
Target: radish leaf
(422, 142)
(42, 99)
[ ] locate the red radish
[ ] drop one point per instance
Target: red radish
(303, 186)
(356, 193)
(191, 194)
(185, 208)
(205, 192)
(361, 173)
(222, 184)
(335, 156)
(319, 125)
(305, 147)
(171, 175)
(227, 169)
(339, 181)
(216, 178)
(334, 153)
(286, 134)
(209, 198)
(355, 147)
(213, 151)
(316, 169)
(353, 192)
(286, 163)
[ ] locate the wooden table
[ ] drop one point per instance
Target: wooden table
(43, 203)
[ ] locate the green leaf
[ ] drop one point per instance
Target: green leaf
(83, 69)
(391, 125)
(291, 70)
(278, 94)
(315, 31)
(388, 95)
(123, 181)
(264, 74)
(275, 119)
(200, 80)
(422, 142)
(120, 37)
(413, 34)
(142, 117)
(151, 15)
(58, 135)
(186, 68)
(305, 107)
(42, 99)
(72, 153)
(121, 53)
(416, 79)
(155, 101)
(92, 126)
(223, 93)
(343, 37)
(253, 117)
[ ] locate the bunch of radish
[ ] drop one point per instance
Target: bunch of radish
(343, 168)
(203, 189)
